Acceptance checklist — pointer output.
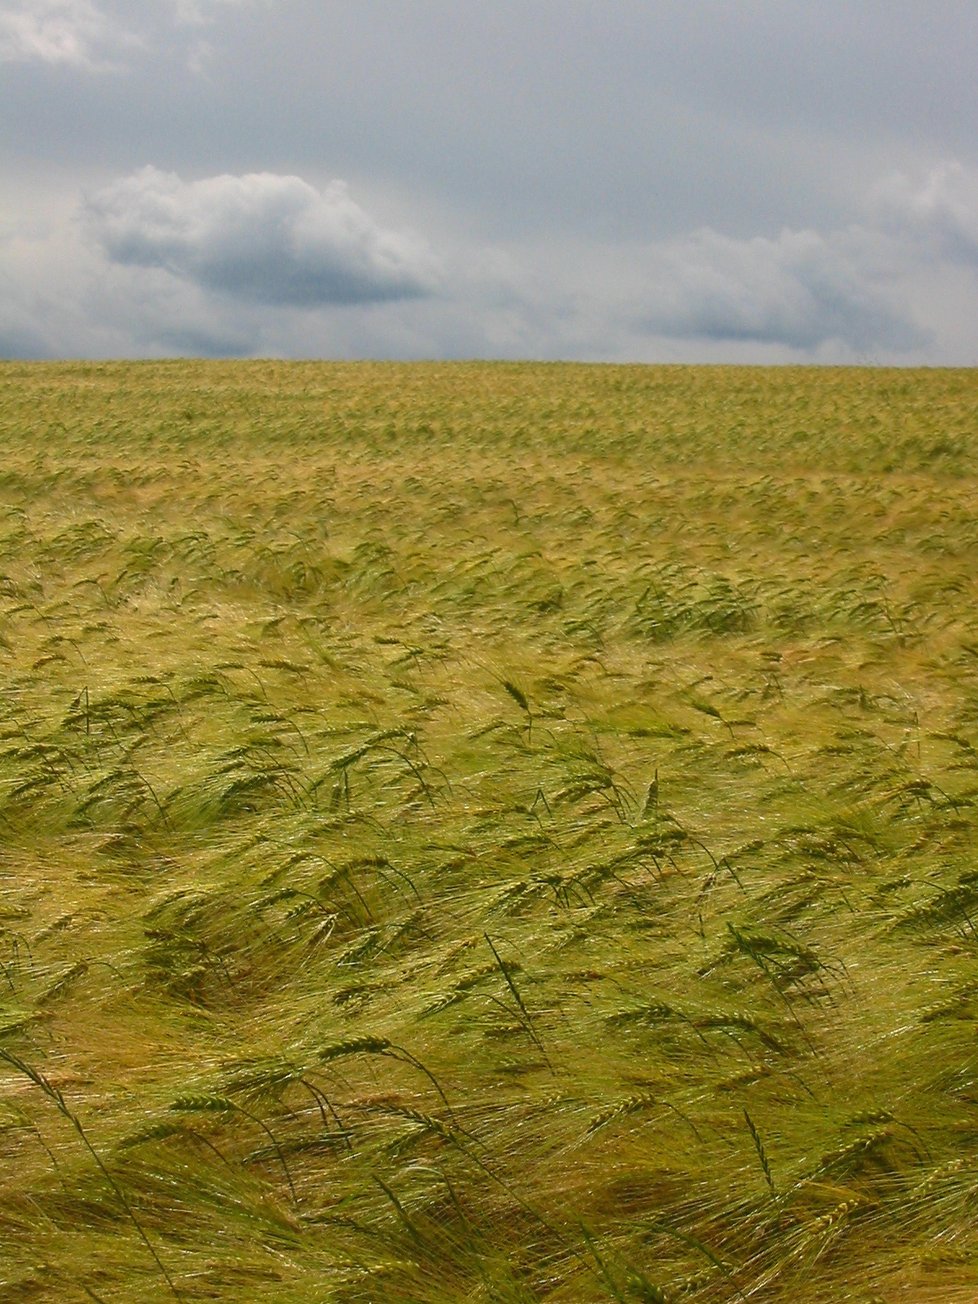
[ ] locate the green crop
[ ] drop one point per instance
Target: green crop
(488, 832)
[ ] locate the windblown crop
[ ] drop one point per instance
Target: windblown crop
(488, 833)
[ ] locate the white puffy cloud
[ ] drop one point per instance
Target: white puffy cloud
(941, 211)
(73, 33)
(801, 289)
(261, 238)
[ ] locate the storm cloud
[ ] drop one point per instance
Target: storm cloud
(263, 238)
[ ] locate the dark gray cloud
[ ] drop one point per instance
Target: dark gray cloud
(686, 180)
(263, 238)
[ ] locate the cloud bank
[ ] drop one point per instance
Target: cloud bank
(263, 263)
(801, 289)
(261, 238)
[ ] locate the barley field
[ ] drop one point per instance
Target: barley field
(489, 833)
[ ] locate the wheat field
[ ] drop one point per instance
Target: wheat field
(488, 832)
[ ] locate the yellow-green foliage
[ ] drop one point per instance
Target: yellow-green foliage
(488, 833)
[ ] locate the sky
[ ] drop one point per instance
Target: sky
(756, 181)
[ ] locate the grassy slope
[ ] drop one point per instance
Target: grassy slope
(490, 833)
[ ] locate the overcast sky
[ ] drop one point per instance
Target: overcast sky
(622, 180)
